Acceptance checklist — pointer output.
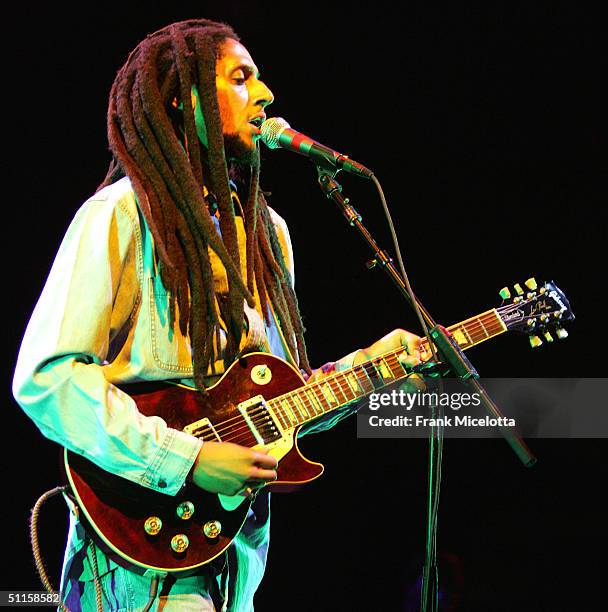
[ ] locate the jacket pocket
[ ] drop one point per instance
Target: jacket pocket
(171, 351)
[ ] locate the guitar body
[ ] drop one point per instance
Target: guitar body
(117, 509)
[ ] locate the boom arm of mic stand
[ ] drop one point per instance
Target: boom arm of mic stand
(449, 350)
(333, 190)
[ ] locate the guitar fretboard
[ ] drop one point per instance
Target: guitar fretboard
(331, 392)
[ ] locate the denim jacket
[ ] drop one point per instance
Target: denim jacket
(101, 321)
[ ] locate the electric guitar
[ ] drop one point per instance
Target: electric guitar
(260, 400)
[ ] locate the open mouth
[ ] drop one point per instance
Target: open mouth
(257, 122)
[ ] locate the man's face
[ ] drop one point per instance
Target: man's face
(242, 98)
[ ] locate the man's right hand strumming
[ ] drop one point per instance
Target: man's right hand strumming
(230, 469)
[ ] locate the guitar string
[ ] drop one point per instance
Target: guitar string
(244, 432)
(315, 389)
(487, 324)
(302, 391)
(331, 382)
(334, 385)
(307, 404)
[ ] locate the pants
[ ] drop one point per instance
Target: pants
(125, 591)
(121, 589)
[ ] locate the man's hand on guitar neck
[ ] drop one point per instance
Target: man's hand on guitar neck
(412, 355)
(230, 469)
(393, 340)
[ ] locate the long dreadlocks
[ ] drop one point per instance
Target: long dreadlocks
(169, 168)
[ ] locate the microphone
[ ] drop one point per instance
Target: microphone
(276, 133)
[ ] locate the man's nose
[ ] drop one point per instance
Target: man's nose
(263, 95)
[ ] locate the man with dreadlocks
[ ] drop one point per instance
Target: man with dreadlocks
(164, 274)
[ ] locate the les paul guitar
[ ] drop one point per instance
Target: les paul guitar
(260, 399)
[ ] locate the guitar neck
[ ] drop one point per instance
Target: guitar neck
(332, 392)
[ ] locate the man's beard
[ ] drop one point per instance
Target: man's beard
(238, 152)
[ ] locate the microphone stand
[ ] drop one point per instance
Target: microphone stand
(451, 355)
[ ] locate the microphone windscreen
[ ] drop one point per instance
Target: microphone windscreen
(271, 130)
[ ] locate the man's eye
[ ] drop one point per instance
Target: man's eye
(238, 77)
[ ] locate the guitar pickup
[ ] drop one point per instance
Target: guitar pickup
(260, 420)
(198, 429)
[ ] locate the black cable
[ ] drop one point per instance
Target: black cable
(435, 441)
(152, 593)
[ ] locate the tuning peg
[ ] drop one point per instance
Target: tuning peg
(518, 289)
(535, 341)
(504, 293)
(548, 337)
(561, 333)
(531, 284)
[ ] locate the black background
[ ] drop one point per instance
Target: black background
(485, 123)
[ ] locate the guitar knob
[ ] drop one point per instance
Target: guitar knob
(185, 510)
(261, 375)
(548, 337)
(561, 333)
(535, 341)
(180, 542)
(518, 289)
(212, 529)
(504, 293)
(531, 284)
(153, 525)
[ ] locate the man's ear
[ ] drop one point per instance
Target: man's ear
(199, 120)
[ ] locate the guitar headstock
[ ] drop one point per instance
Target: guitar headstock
(539, 311)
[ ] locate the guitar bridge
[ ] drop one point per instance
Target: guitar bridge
(260, 420)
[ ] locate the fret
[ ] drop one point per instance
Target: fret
(301, 408)
(496, 320)
(376, 379)
(353, 382)
(280, 414)
(485, 331)
(466, 331)
(385, 369)
(341, 386)
(471, 328)
(289, 412)
(318, 394)
(400, 369)
(314, 400)
(328, 392)
(403, 367)
(396, 367)
(300, 405)
(460, 335)
(363, 369)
